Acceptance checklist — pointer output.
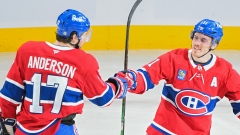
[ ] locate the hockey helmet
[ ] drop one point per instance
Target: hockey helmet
(209, 28)
(72, 20)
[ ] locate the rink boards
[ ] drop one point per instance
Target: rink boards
(113, 37)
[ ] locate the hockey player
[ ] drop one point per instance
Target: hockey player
(195, 80)
(49, 81)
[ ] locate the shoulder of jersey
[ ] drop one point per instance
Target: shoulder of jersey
(31, 45)
(179, 51)
(222, 63)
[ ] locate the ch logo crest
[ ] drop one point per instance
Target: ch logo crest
(192, 102)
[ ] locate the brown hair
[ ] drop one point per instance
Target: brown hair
(65, 39)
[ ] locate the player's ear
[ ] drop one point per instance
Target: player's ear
(214, 44)
(192, 34)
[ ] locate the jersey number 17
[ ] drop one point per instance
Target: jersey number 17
(52, 81)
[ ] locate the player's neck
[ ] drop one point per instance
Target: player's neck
(62, 44)
(203, 59)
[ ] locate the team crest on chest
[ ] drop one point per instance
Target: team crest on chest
(192, 102)
(181, 74)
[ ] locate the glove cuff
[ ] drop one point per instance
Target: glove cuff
(120, 87)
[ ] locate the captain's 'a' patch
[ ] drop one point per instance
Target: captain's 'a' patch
(181, 74)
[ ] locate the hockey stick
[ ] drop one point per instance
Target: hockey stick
(126, 61)
(4, 130)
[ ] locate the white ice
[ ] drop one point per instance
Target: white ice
(140, 109)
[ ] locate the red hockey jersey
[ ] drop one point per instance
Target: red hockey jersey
(49, 82)
(190, 93)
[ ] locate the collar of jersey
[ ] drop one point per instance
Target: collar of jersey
(58, 47)
(207, 66)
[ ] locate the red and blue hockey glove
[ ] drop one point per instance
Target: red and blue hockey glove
(130, 76)
(121, 85)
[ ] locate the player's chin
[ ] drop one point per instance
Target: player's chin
(196, 54)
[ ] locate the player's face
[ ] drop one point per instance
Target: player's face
(200, 44)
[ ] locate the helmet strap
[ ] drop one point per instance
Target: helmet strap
(210, 49)
(214, 42)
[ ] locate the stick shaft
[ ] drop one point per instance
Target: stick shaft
(126, 61)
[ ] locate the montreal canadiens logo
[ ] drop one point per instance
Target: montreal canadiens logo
(192, 102)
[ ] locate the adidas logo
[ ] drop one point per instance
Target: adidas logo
(55, 51)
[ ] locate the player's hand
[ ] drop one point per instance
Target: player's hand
(121, 85)
(130, 76)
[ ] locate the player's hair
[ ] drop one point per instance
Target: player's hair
(65, 39)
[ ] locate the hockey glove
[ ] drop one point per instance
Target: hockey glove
(10, 125)
(130, 76)
(121, 86)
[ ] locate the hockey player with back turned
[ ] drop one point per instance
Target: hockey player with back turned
(195, 80)
(50, 81)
